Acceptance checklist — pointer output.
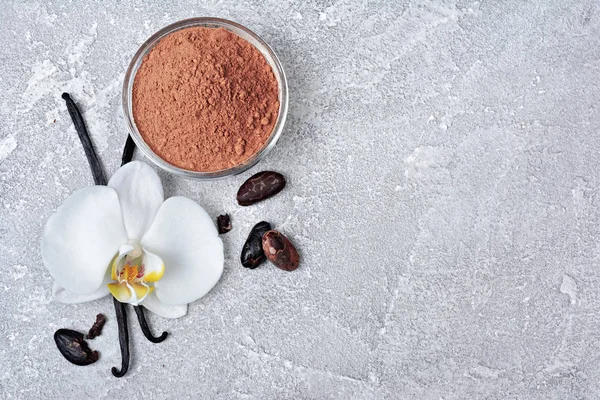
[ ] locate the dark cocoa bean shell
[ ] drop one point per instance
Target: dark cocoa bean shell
(280, 251)
(259, 187)
(96, 329)
(223, 224)
(252, 252)
(74, 348)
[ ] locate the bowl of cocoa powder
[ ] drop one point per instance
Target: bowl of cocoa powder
(205, 98)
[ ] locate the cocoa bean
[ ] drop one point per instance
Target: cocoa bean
(259, 187)
(74, 348)
(223, 224)
(96, 329)
(280, 251)
(252, 252)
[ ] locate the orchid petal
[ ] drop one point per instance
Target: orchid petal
(187, 241)
(64, 296)
(81, 238)
(140, 194)
(152, 303)
(154, 267)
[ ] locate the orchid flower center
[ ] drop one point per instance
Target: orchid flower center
(134, 272)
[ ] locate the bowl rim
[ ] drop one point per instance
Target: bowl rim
(238, 30)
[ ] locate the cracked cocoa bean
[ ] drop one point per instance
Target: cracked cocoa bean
(259, 187)
(96, 329)
(280, 251)
(223, 224)
(74, 348)
(252, 252)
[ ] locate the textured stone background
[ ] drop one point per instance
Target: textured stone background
(443, 191)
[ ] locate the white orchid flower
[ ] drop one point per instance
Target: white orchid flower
(125, 239)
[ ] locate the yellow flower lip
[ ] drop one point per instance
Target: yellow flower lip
(134, 272)
(129, 292)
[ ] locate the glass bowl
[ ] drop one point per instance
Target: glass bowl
(240, 31)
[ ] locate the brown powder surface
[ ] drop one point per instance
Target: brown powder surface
(205, 99)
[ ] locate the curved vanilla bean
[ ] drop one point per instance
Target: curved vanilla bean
(121, 313)
(100, 179)
(139, 310)
(84, 137)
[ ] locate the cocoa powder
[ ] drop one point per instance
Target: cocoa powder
(205, 99)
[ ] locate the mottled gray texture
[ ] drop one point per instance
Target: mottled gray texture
(443, 164)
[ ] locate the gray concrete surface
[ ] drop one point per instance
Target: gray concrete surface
(443, 165)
